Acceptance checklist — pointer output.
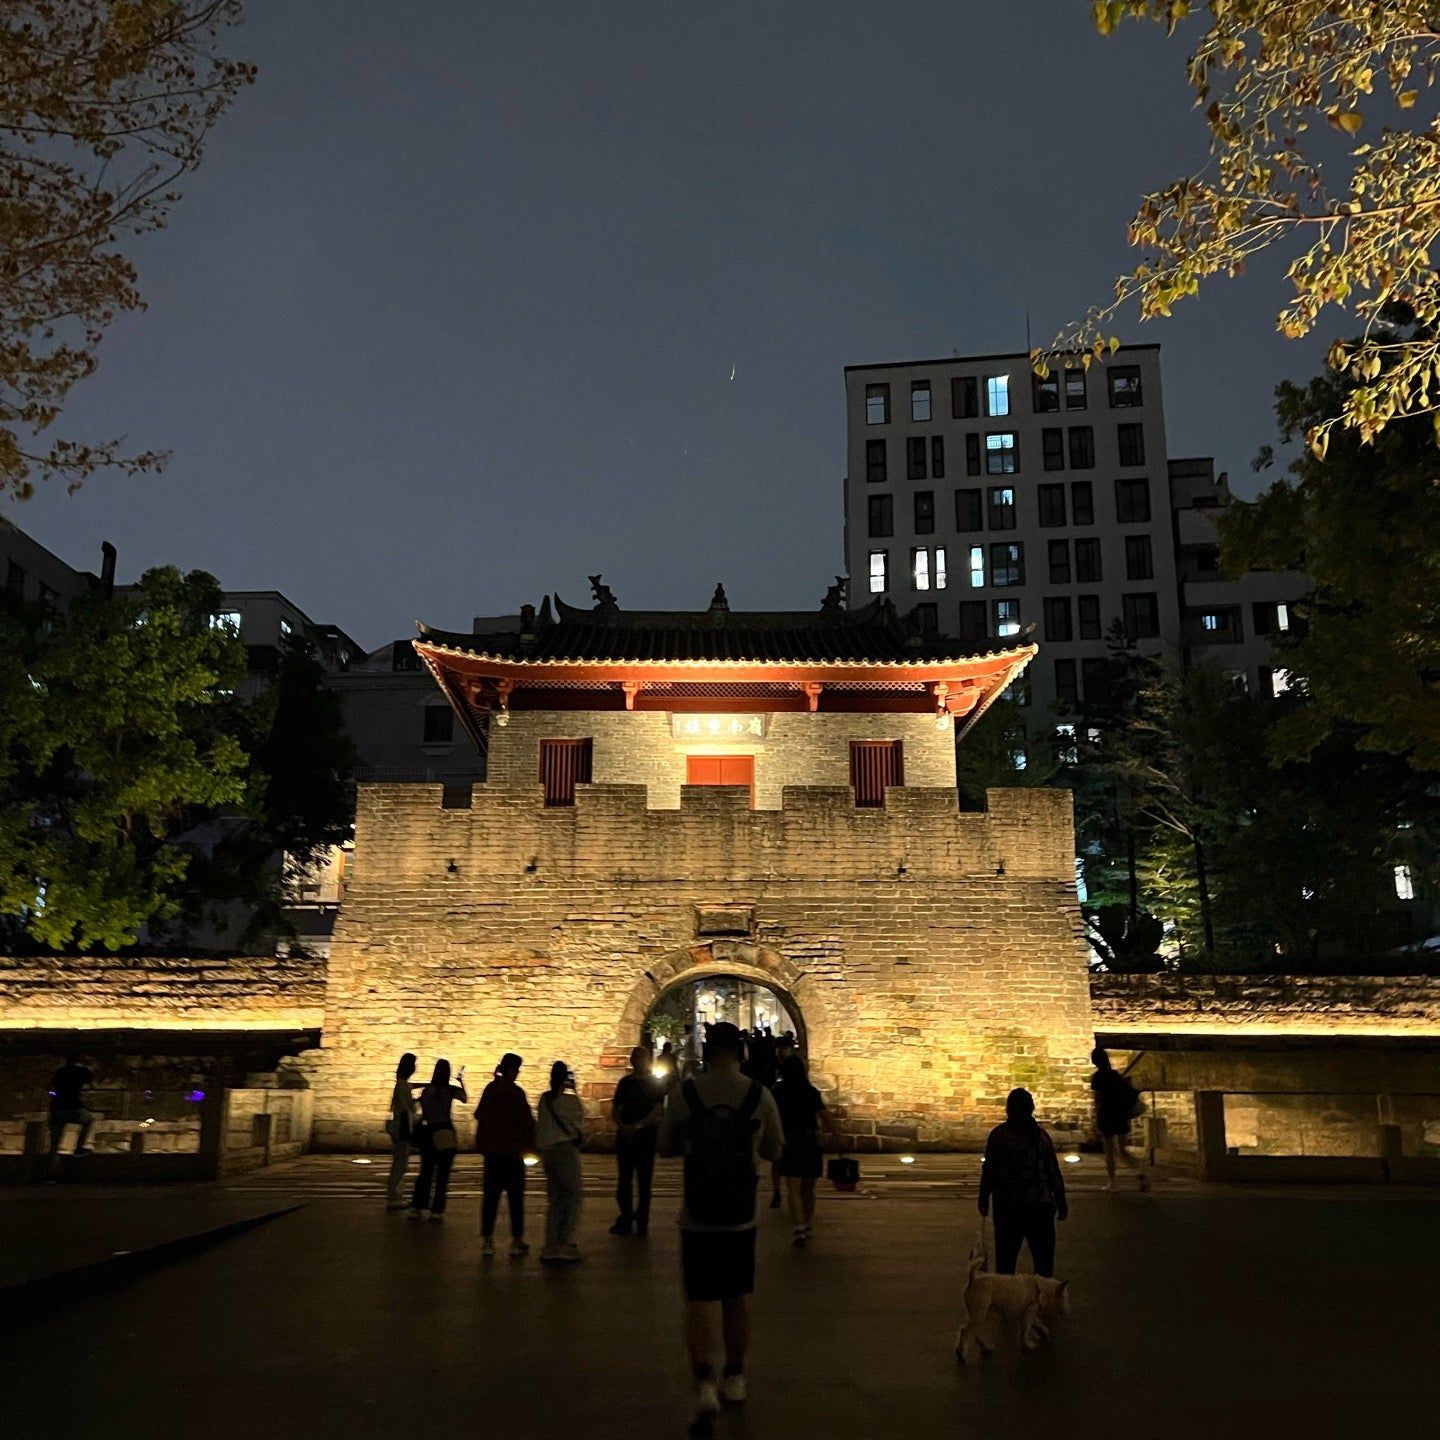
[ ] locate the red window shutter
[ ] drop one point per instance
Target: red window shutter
(874, 764)
(736, 770)
(563, 765)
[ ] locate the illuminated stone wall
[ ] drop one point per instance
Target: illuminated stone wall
(119, 992)
(933, 955)
(798, 749)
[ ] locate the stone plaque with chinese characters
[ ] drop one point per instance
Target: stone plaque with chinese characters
(707, 728)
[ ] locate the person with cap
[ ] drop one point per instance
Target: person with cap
(1021, 1175)
(504, 1135)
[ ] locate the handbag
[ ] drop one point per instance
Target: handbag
(843, 1172)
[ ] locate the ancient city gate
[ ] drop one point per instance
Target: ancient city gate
(767, 796)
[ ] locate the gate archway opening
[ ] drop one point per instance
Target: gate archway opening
(679, 1014)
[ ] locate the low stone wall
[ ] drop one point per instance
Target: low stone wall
(118, 992)
(1372, 1006)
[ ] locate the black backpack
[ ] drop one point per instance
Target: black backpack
(720, 1175)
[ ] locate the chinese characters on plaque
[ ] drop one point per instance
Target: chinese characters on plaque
(718, 727)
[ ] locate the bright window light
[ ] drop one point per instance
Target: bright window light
(1081, 891)
(977, 566)
(877, 572)
(1000, 453)
(1279, 682)
(922, 569)
(940, 568)
(1007, 618)
(1210, 621)
(1282, 618)
(997, 395)
(226, 620)
(1404, 883)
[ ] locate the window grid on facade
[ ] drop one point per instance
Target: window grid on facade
(876, 463)
(1007, 564)
(997, 395)
(928, 615)
(915, 457)
(1067, 685)
(1052, 449)
(1082, 503)
(972, 454)
(977, 567)
(1045, 393)
(1059, 562)
(1132, 501)
(1002, 453)
(1124, 382)
(882, 516)
(1057, 618)
(1141, 616)
(964, 397)
(1082, 447)
(877, 404)
(972, 620)
(1002, 508)
(1052, 505)
(969, 512)
(1087, 611)
(874, 765)
(1075, 389)
(564, 764)
(1087, 561)
(439, 725)
(920, 569)
(1131, 440)
(924, 504)
(1139, 560)
(879, 571)
(920, 400)
(1007, 618)
(937, 457)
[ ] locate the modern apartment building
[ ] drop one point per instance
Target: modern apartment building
(996, 504)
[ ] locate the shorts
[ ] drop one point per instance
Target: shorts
(717, 1264)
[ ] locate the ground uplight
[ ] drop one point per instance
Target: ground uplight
(361, 1160)
(1072, 1159)
(907, 1159)
(532, 1159)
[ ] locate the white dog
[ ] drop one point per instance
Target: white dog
(1023, 1301)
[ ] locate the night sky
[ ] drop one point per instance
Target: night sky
(450, 315)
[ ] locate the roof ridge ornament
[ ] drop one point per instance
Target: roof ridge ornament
(605, 601)
(836, 595)
(719, 605)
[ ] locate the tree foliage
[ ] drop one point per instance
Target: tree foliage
(1364, 525)
(104, 107)
(1274, 77)
(114, 735)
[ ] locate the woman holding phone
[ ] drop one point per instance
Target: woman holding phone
(557, 1136)
(437, 1141)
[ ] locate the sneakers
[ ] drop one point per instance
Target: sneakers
(518, 1248)
(707, 1399)
(487, 1246)
(732, 1389)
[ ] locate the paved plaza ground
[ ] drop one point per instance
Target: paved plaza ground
(1198, 1312)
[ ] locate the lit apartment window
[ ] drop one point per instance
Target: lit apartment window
(1075, 389)
(969, 514)
(997, 395)
(1124, 386)
(937, 457)
(919, 399)
(1404, 883)
(1067, 748)
(1280, 683)
(286, 628)
(1002, 509)
(1017, 692)
(1139, 561)
(877, 404)
(1052, 505)
(1082, 503)
(964, 397)
(1001, 453)
(1131, 439)
(1210, 621)
(1045, 393)
(226, 620)
(1132, 501)
(1141, 616)
(1087, 611)
(1282, 618)
(1082, 447)
(924, 512)
(879, 571)
(1052, 449)
(977, 567)
(920, 568)
(1057, 618)
(915, 457)
(940, 575)
(882, 517)
(1007, 618)
(1007, 564)
(876, 465)
(1087, 561)
(1059, 562)
(1015, 740)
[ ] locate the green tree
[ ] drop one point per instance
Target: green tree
(988, 756)
(104, 108)
(1363, 524)
(1357, 215)
(115, 735)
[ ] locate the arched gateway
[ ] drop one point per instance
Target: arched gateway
(682, 795)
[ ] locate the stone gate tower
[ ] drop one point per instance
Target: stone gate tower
(676, 795)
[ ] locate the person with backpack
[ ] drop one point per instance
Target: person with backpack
(504, 1135)
(437, 1141)
(723, 1124)
(558, 1132)
(1117, 1103)
(1021, 1175)
(401, 1129)
(802, 1112)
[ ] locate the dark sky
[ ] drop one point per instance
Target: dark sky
(450, 314)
